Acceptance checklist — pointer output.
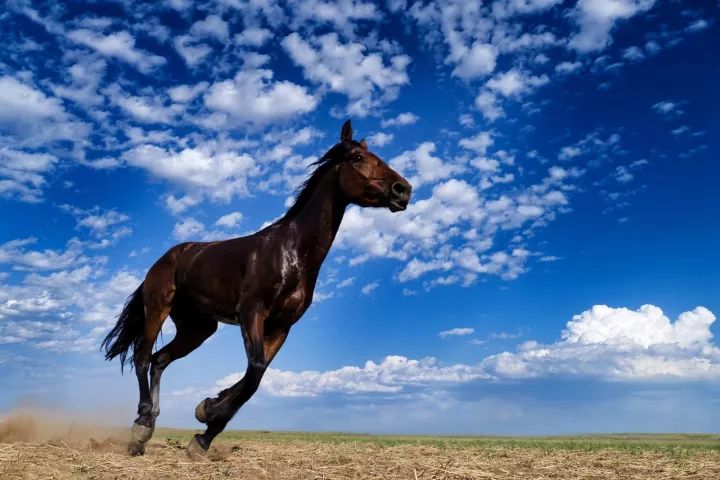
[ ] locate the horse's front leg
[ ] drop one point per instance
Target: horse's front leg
(217, 412)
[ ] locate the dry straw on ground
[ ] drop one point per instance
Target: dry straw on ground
(314, 460)
(69, 455)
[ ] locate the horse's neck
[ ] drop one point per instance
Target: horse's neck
(318, 221)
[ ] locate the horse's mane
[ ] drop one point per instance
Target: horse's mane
(306, 189)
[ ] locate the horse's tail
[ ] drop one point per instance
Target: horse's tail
(129, 330)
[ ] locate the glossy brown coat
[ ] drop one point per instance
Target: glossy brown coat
(263, 282)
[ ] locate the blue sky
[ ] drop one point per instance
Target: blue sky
(556, 272)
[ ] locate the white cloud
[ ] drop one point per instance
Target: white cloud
(603, 342)
(369, 288)
(16, 254)
(192, 51)
(698, 25)
(346, 68)
(567, 67)
(229, 220)
(596, 19)
(405, 118)
(478, 143)
(205, 169)
(213, 26)
(187, 228)
(84, 78)
(343, 15)
(180, 204)
(119, 45)
(508, 8)
(253, 37)
(32, 118)
(633, 54)
(107, 226)
(69, 310)
(477, 61)
(380, 139)
(22, 174)
(457, 332)
(145, 109)
(253, 97)
(452, 231)
(619, 343)
(568, 152)
(393, 375)
(422, 165)
(488, 105)
(191, 229)
(515, 82)
(187, 93)
(667, 108)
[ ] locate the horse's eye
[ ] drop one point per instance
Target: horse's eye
(358, 158)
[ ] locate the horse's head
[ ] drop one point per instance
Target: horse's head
(366, 180)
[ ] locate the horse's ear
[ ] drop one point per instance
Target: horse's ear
(346, 132)
(363, 144)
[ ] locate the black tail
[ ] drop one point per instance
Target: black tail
(129, 330)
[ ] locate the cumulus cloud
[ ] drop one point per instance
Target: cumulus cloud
(476, 61)
(393, 374)
(367, 79)
(253, 97)
(450, 233)
(603, 342)
(595, 20)
(380, 139)
(420, 166)
(205, 170)
(229, 220)
(343, 16)
(68, 310)
(16, 253)
(120, 45)
(667, 108)
(619, 343)
(22, 175)
(31, 118)
(405, 118)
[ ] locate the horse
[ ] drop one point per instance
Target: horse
(262, 282)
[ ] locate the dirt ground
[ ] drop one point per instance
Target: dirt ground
(32, 451)
(314, 460)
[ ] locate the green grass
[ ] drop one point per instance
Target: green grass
(666, 443)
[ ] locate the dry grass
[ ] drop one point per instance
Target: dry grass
(77, 453)
(317, 460)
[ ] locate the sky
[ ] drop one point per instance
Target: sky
(557, 270)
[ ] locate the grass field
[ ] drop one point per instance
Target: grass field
(84, 453)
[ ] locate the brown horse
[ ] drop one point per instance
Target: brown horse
(263, 282)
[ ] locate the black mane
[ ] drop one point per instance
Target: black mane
(306, 189)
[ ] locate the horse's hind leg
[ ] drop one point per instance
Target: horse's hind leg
(158, 295)
(192, 331)
(216, 413)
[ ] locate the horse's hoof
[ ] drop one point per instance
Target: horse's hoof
(141, 433)
(195, 451)
(200, 412)
(135, 449)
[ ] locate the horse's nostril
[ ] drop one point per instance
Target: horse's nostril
(398, 189)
